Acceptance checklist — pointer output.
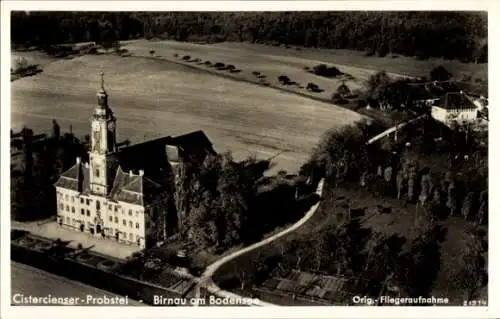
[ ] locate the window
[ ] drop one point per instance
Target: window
(136, 213)
(130, 224)
(61, 205)
(67, 220)
(67, 208)
(72, 199)
(83, 211)
(67, 197)
(73, 209)
(81, 200)
(110, 207)
(124, 222)
(111, 218)
(130, 212)
(73, 221)
(116, 220)
(97, 204)
(137, 238)
(88, 201)
(88, 212)
(116, 209)
(131, 236)
(137, 225)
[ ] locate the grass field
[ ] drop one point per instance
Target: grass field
(153, 98)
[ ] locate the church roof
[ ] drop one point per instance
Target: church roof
(133, 189)
(150, 157)
(76, 178)
(456, 100)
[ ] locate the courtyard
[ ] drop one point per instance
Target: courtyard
(50, 229)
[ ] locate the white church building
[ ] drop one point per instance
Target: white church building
(119, 194)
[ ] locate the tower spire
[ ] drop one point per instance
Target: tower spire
(101, 76)
(102, 96)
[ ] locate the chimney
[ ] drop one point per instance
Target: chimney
(78, 160)
(141, 172)
(130, 173)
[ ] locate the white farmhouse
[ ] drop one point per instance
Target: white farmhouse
(120, 194)
(456, 106)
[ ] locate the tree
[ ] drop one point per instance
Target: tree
(378, 85)
(467, 205)
(471, 277)
(425, 188)
(482, 213)
(440, 74)
(399, 183)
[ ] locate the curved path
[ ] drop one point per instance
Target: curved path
(206, 278)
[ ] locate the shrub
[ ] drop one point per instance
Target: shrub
(324, 70)
(362, 103)
(207, 63)
(186, 57)
(256, 73)
(370, 53)
(219, 65)
(230, 67)
(152, 52)
(312, 87)
(235, 71)
(440, 74)
(283, 79)
(176, 55)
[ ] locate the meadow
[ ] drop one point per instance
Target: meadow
(153, 97)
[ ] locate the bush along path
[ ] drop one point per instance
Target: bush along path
(206, 281)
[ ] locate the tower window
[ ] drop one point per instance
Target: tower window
(96, 172)
(98, 205)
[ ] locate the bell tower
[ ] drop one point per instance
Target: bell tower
(103, 142)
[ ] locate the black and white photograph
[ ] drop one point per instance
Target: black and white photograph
(281, 158)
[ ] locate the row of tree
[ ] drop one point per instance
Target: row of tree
(221, 202)
(453, 35)
(39, 163)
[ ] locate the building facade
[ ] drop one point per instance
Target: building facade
(122, 194)
(455, 107)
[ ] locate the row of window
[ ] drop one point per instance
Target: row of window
(130, 223)
(130, 236)
(61, 205)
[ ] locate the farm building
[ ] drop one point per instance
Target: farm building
(120, 193)
(455, 107)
